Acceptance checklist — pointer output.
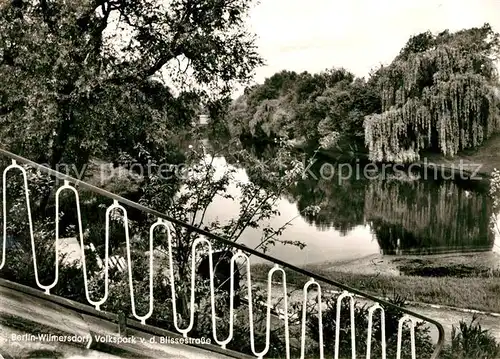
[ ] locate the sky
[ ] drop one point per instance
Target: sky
(313, 35)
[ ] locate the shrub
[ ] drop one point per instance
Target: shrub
(470, 340)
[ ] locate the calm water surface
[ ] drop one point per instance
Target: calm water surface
(361, 217)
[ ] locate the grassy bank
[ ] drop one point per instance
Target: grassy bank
(479, 162)
(484, 159)
(480, 293)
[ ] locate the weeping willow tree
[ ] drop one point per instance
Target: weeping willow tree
(439, 94)
(428, 217)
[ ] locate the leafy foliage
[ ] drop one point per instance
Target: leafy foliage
(82, 91)
(324, 108)
(469, 340)
(440, 93)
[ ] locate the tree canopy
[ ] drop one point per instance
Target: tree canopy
(82, 77)
(318, 108)
(440, 93)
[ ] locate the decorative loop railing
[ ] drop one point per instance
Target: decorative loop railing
(71, 184)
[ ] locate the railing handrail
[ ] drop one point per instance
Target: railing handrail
(122, 200)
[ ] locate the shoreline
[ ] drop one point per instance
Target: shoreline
(378, 264)
(471, 283)
(468, 165)
(459, 169)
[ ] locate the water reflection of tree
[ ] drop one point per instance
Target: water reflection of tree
(428, 217)
(340, 201)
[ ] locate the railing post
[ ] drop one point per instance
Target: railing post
(122, 323)
(304, 319)
(404, 319)
(345, 294)
(370, 329)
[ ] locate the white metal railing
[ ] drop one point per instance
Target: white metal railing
(353, 326)
(166, 222)
(304, 318)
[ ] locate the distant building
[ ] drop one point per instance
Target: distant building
(204, 119)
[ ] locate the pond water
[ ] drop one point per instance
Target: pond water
(362, 216)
